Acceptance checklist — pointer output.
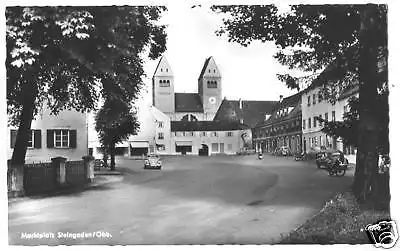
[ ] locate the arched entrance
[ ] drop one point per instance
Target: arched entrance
(203, 151)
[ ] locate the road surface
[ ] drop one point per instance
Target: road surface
(193, 200)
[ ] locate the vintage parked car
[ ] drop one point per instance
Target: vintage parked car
(332, 160)
(152, 161)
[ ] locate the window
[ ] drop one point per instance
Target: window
(160, 147)
(214, 134)
(333, 116)
(166, 69)
(326, 116)
(34, 140)
(161, 69)
(313, 99)
(229, 134)
(61, 138)
(164, 83)
(309, 100)
(309, 122)
(320, 122)
(304, 124)
(211, 84)
(191, 134)
(160, 135)
(183, 134)
(214, 147)
(319, 97)
(160, 124)
(203, 134)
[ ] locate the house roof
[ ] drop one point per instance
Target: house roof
(291, 101)
(349, 91)
(180, 126)
(188, 102)
(252, 111)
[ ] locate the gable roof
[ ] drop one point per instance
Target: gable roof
(188, 126)
(252, 111)
(188, 102)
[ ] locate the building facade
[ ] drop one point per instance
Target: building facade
(282, 128)
(314, 105)
(65, 135)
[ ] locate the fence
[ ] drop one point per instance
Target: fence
(75, 172)
(39, 178)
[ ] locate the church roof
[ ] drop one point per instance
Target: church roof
(188, 102)
(252, 111)
(204, 67)
(187, 126)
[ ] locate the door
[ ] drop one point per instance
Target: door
(221, 147)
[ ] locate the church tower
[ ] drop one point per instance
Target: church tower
(209, 88)
(163, 87)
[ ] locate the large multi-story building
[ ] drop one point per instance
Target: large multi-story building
(314, 105)
(282, 128)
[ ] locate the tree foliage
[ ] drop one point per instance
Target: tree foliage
(115, 122)
(67, 57)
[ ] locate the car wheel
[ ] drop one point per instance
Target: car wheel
(341, 172)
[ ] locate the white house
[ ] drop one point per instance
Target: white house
(153, 135)
(65, 135)
(313, 106)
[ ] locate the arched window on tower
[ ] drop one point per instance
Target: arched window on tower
(211, 84)
(164, 83)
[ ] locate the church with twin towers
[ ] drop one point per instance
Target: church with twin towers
(202, 123)
(200, 106)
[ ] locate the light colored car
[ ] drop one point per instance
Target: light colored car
(152, 161)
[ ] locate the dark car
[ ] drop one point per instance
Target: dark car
(328, 158)
(152, 161)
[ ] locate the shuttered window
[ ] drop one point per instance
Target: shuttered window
(34, 138)
(61, 138)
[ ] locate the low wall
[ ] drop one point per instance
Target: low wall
(40, 178)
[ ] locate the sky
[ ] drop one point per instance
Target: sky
(248, 73)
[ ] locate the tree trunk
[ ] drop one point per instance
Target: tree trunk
(366, 175)
(105, 156)
(26, 117)
(112, 156)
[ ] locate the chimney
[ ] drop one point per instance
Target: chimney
(280, 98)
